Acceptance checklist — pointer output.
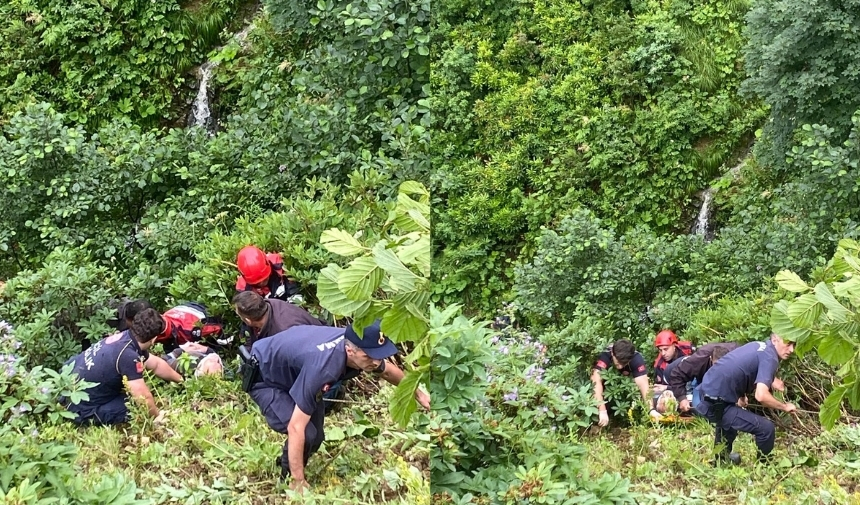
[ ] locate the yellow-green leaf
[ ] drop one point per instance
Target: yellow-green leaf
(836, 350)
(400, 277)
(401, 325)
(790, 281)
(831, 408)
(332, 298)
(341, 243)
(782, 325)
(804, 311)
(360, 279)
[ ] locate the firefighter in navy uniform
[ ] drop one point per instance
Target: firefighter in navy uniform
(110, 361)
(270, 316)
(264, 274)
(293, 368)
(267, 316)
(684, 376)
(669, 349)
(624, 358)
(748, 369)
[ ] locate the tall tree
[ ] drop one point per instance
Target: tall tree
(803, 59)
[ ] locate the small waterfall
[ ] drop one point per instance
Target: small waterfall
(702, 221)
(201, 114)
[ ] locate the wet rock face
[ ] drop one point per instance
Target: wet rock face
(201, 113)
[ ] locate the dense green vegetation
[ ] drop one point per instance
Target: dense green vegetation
(321, 115)
(573, 141)
(541, 107)
(566, 156)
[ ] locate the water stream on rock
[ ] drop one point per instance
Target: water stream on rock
(703, 225)
(201, 114)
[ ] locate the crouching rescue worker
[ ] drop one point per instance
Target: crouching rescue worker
(287, 373)
(268, 316)
(620, 356)
(749, 368)
(122, 356)
(684, 376)
(669, 350)
(264, 274)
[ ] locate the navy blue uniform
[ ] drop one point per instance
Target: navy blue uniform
(296, 367)
(690, 370)
(735, 375)
(106, 363)
(636, 367)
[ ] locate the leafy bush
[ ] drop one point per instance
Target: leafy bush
(802, 61)
(59, 306)
(294, 232)
(630, 114)
(96, 61)
(822, 318)
(36, 462)
(388, 281)
(502, 432)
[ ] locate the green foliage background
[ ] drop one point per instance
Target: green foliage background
(628, 109)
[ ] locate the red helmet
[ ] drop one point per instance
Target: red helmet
(253, 265)
(665, 337)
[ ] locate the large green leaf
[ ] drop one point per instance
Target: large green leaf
(439, 318)
(418, 298)
(836, 350)
(830, 410)
(850, 327)
(401, 217)
(414, 188)
(401, 325)
(332, 298)
(360, 279)
(341, 243)
(850, 289)
(376, 310)
(836, 312)
(804, 311)
(854, 395)
(790, 281)
(400, 277)
(852, 262)
(416, 253)
(420, 219)
(403, 403)
(782, 325)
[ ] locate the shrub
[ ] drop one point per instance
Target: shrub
(502, 432)
(60, 306)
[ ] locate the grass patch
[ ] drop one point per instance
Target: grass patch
(668, 465)
(216, 448)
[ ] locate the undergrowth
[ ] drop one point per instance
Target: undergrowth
(214, 447)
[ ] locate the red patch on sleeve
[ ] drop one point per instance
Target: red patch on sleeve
(601, 365)
(641, 368)
(139, 366)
